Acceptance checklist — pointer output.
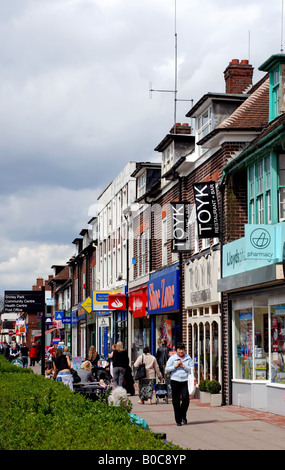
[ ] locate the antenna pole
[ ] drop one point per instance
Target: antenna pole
(249, 46)
(281, 50)
(175, 81)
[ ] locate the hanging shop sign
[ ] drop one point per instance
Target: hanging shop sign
(180, 239)
(87, 304)
(138, 302)
(206, 209)
(103, 322)
(100, 299)
(163, 290)
(117, 302)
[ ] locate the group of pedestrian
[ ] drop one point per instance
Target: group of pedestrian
(177, 365)
(14, 350)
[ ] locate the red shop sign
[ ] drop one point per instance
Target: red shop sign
(138, 302)
(117, 302)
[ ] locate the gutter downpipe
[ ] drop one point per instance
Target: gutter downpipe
(222, 187)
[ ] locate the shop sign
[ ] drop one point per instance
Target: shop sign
(117, 302)
(103, 322)
(201, 278)
(260, 241)
(235, 261)
(74, 318)
(87, 304)
(100, 299)
(58, 315)
(138, 302)
(180, 238)
(66, 320)
(91, 318)
(163, 291)
(206, 209)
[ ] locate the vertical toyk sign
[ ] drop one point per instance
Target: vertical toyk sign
(206, 209)
(180, 233)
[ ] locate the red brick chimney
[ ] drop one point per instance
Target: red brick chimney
(238, 76)
(181, 128)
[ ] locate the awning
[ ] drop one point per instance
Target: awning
(46, 332)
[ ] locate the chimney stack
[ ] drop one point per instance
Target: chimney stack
(238, 76)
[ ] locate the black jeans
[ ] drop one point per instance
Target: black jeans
(180, 399)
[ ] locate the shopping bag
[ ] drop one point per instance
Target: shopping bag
(138, 421)
(191, 384)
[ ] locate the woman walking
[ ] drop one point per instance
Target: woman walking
(146, 385)
(120, 363)
(180, 365)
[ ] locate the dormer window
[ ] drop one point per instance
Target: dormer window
(141, 185)
(275, 66)
(204, 124)
(168, 158)
(275, 90)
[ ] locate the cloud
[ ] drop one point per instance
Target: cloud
(75, 107)
(19, 272)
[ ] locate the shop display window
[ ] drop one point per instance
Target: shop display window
(251, 344)
(141, 336)
(166, 329)
(277, 344)
(204, 350)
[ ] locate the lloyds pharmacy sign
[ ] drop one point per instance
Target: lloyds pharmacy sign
(260, 242)
(256, 249)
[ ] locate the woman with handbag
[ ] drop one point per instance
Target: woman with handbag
(146, 383)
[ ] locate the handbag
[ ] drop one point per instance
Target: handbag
(141, 372)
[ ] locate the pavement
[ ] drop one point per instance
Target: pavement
(213, 428)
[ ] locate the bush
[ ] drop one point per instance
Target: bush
(41, 414)
(6, 366)
(203, 385)
(213, 386)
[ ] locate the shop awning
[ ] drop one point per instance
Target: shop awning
(46, 332)
(138, 301)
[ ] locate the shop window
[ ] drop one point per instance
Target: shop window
(243, 344)
(207, 351)
(215, 351)
(282, 187)
(277, 344)
(251, 344)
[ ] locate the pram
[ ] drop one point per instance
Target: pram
(161, 391)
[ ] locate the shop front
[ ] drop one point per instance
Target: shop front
(203, 307)
(111, 319)
(104, 329)
(163, 307)
(91, 329)
(256, 299)
(140, 330)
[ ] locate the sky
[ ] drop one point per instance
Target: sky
(75, 105)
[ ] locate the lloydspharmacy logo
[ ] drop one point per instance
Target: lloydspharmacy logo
(260, 238)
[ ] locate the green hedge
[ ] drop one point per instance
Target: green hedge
(41, 414)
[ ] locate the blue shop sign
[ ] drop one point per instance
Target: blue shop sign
(163, 291)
